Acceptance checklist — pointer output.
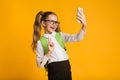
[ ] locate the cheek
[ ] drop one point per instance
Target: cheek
(47, 27)
(47, 24)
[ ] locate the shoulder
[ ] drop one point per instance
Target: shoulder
(62, 33)
(38, 42)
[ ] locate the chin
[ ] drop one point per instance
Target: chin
(51, 32)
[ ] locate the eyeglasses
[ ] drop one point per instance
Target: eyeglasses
(53, 22)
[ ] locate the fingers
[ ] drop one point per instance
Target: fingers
(80, 12)
(49, 40)
(51, 44)
(81, 17)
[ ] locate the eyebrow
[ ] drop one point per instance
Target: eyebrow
(52, 20)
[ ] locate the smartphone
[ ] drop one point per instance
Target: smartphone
(78, 11)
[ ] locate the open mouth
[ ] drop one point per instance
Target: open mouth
(52, 28)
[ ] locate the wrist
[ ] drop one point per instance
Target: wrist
(49, 53)
(84, 27)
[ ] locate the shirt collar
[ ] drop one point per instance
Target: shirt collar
(48, 35)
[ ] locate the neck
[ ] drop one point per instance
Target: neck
(47, 32)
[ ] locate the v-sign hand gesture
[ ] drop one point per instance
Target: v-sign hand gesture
(50, 45)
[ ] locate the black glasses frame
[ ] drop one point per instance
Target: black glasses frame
(53, 22)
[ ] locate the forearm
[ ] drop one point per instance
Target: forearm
(48, 54)
(41, 58)
(45, 59)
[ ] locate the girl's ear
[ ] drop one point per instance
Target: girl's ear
(43, 23)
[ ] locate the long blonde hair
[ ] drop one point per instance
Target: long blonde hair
(41, 16)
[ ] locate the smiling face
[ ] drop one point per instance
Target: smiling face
(51, 23)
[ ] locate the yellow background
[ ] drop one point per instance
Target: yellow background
(97, 57)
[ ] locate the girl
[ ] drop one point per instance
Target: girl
(56, 56)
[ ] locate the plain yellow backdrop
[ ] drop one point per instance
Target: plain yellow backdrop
(96, 57)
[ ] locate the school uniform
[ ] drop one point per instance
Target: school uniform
(58, 62)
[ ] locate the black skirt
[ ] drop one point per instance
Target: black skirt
(59, 70)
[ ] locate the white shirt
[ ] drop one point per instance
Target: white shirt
(58, 54)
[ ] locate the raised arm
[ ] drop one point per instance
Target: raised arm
(81, 17)
(79, 36)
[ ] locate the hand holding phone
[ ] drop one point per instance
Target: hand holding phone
(79, 11)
